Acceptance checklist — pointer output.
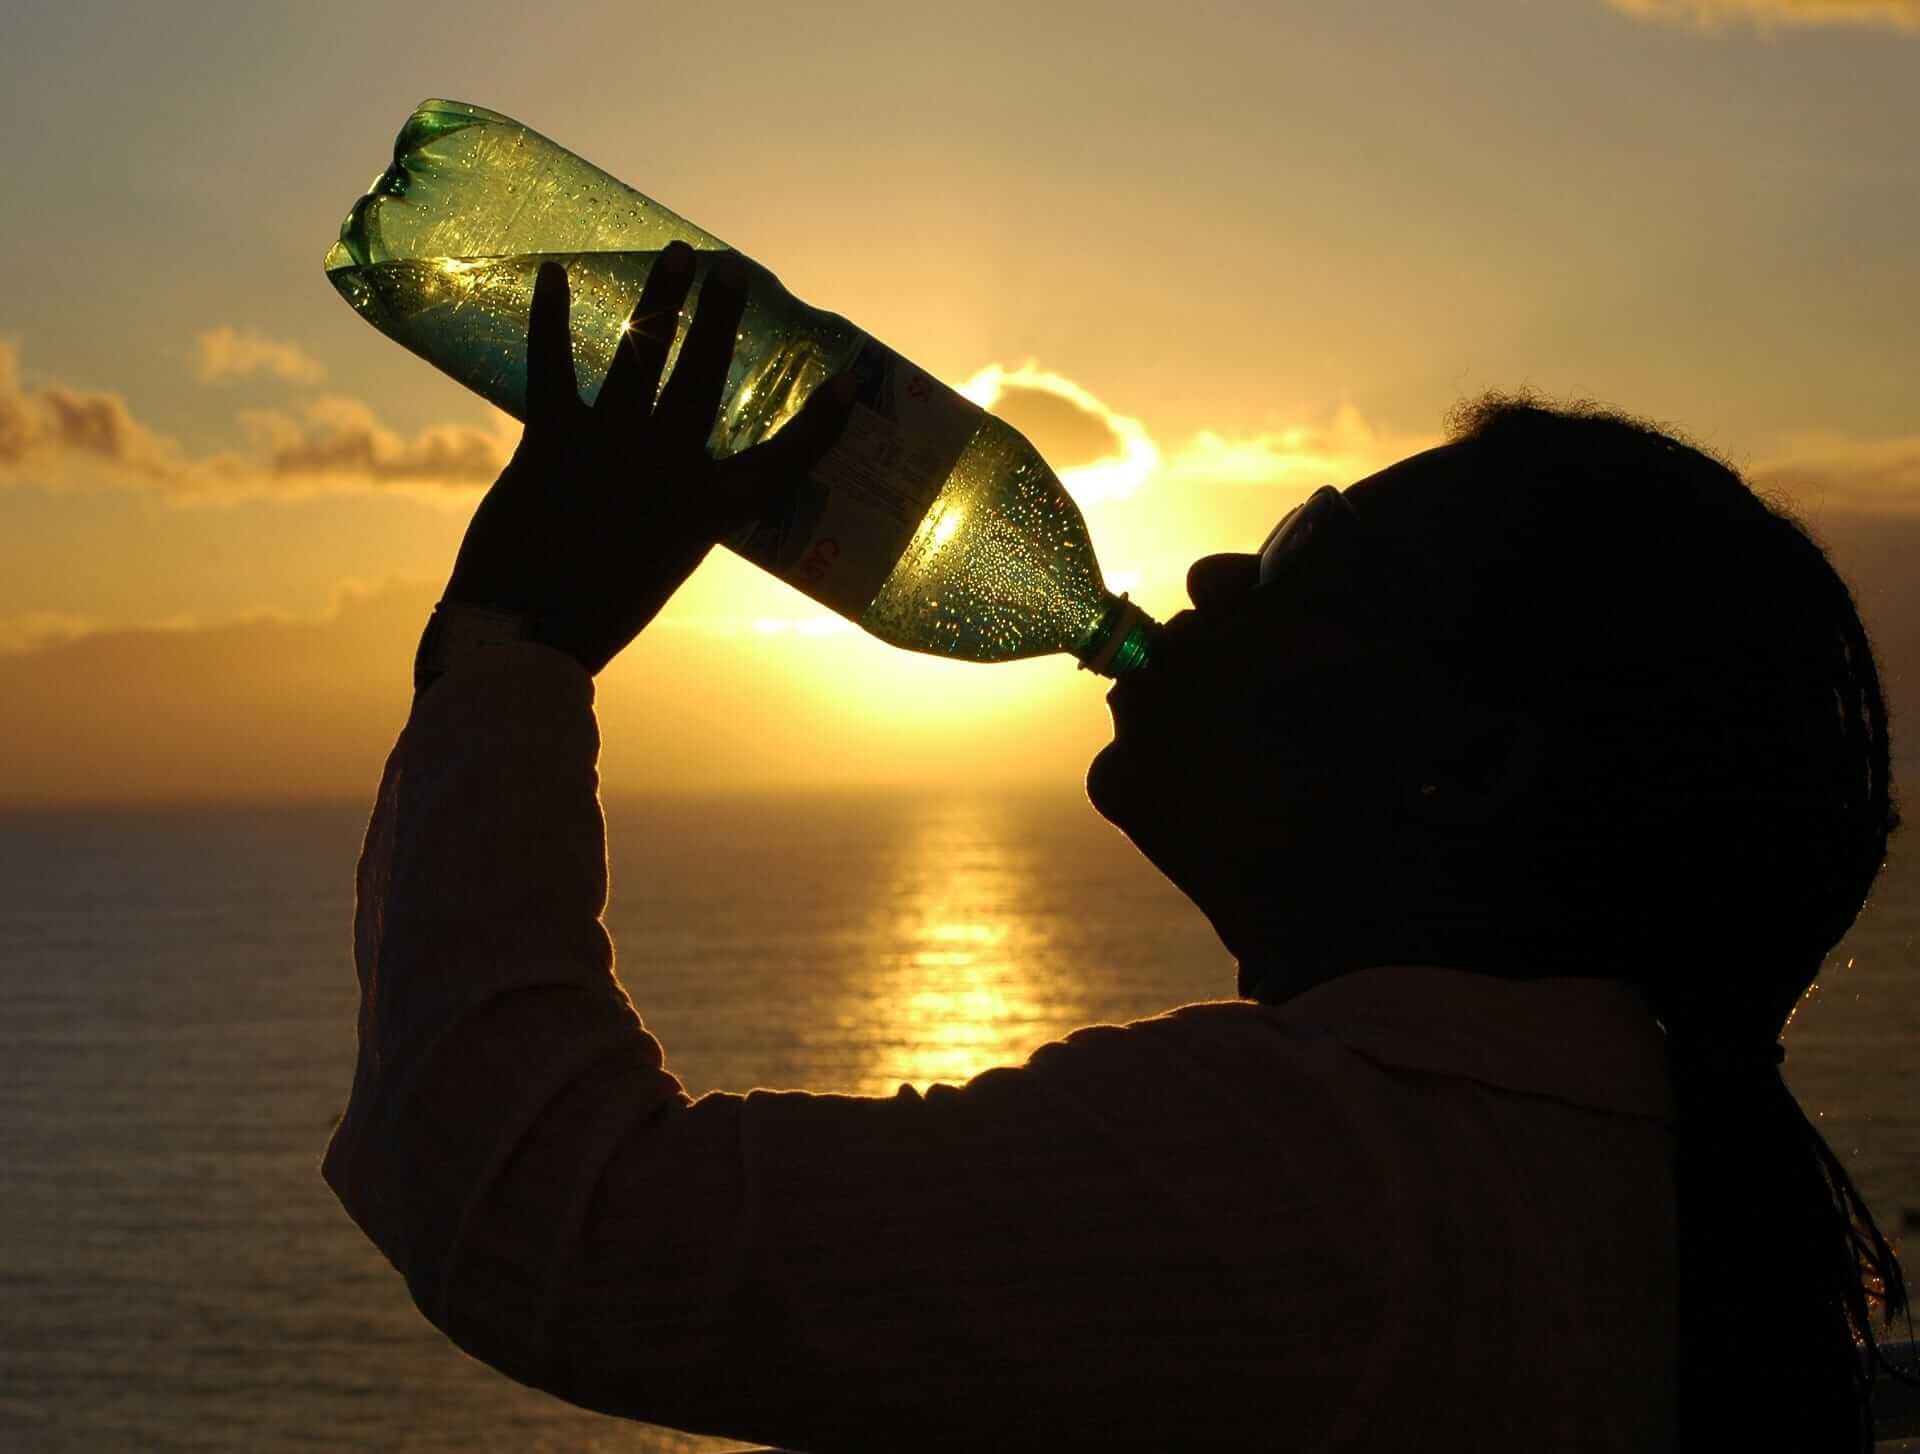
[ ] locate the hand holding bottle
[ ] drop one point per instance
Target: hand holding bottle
(931, 524)
(606, 509)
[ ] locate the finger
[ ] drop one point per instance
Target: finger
(747, 485)
(626, 398)
(692, 397)
(552, 390)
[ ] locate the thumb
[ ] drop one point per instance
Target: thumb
(746, 485)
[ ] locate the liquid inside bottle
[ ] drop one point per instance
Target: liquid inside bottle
(932, 524)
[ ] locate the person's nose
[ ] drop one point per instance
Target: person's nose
(1216, 582)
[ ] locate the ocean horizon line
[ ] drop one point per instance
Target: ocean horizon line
(1073, 790)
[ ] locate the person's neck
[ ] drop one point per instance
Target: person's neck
(1278, 960)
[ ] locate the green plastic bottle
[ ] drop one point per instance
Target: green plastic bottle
(932, 524)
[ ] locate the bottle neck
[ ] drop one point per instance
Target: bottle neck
(1122, 642)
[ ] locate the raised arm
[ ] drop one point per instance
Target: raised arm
(1081, 1251)
(1002, 1265)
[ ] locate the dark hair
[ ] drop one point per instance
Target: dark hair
(1718, 807)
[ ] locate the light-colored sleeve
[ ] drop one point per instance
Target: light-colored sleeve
(486, 974)
(1116, 1245)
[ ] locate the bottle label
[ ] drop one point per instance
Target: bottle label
(838, 534)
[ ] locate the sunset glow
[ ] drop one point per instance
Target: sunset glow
(1267, 261)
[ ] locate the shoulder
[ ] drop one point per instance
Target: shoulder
(1431, 1033)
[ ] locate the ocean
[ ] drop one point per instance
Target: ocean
(176, 1038)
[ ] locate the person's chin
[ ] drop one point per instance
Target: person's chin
(1129, 785)
(1109, 777)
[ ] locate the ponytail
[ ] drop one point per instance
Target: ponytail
(1726, 770)
(1780, 1261)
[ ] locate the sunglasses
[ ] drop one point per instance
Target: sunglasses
(1324, 550)
(1324, 519)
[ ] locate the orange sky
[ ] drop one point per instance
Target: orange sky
(1208, 257)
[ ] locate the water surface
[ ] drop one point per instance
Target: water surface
(176, 1003)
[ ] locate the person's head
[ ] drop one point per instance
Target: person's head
(1299, 759)
(1562, 696)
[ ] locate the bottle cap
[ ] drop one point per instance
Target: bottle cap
(1125, 620)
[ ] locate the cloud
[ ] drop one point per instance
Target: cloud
(51, 434)
(1825, 474)
(1067, 433)
(238, 353)
(1099, 453)
(1713, 15)
(342, 441)
(54, 425)
(336, 444)
(273, 705)
(1338, 451)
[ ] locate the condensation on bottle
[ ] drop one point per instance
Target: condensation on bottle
(931, 523)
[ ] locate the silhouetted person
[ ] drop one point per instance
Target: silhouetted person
(1530, 780)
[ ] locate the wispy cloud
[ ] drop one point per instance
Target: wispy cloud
(1823, 474)
(1339, 450)
(1765, 14)
(239, 353)
(50, 434)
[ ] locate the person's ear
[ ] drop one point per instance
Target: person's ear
(1492, 760)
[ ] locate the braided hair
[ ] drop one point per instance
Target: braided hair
(1718, 810)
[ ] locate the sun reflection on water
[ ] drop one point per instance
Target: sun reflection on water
(960, 973)
(855, 942)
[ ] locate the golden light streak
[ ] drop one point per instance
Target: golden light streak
(944, 528)
(963, 985)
